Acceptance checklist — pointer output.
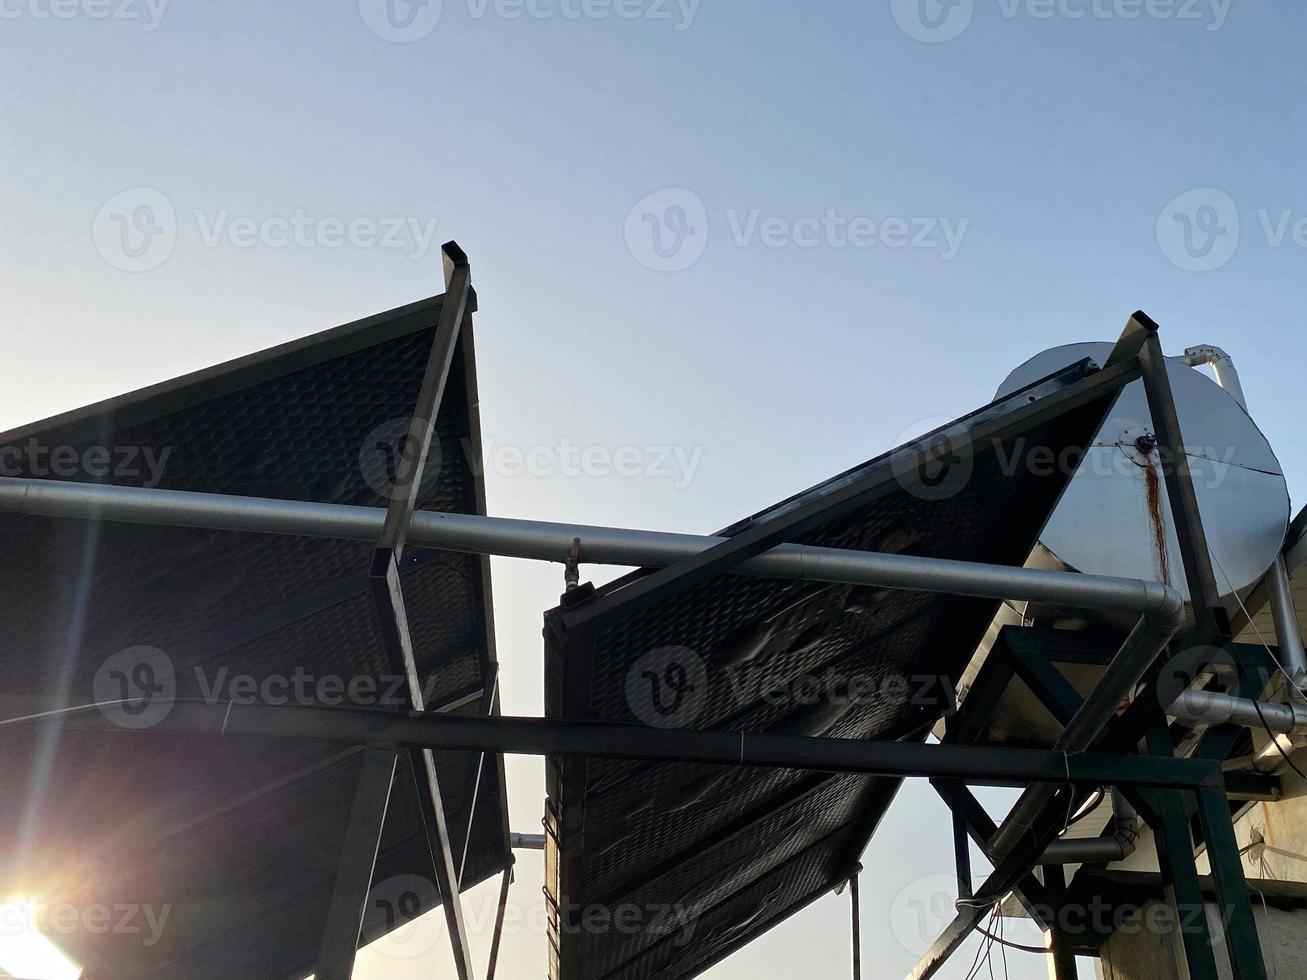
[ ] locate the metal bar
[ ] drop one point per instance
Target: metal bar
(543, 541)
(1197, 559)
(1137, 653)
(1045, 681)
(1063, 960)
(422, 426)
(1287, 634)
(1048, 399)
(1008, 871)
(982, 765)
(349, 894)
(961, 850)
(1175, 857)
(388, 595)
(1214, 708)
(499, 922)
(1029, 890)
(527, 842)
(857, 928)
(491, 691)
(1241, 940)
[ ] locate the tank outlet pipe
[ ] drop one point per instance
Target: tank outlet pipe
(1222, 364)
(1287, 634)
(542, 541)
(527, 842)
(1223, 709)
(1115, 845)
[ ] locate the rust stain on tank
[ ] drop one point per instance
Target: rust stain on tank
(1157, 521)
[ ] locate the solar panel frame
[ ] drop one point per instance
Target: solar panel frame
(402, 329)
(571, 632)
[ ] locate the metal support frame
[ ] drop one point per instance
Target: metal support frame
(340, 936)
(498, 936)
(1062, 957)
(1055, 779)
(856, 914)
(388, 593)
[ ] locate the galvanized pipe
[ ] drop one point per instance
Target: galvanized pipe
(1223, 709)
(527, 842)
(543, 541)
(1287, 634)
(1222, 365)
(1105, 849)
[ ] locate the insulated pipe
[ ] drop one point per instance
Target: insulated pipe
(1221, 709)
(543, 541)
(1287, 634)
(1105, 849)
(1222, 364)
(527, 842)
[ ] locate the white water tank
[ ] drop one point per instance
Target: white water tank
(1115, 519)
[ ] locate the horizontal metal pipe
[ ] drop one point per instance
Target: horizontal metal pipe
(527, 842)
(986, 765)
(543, 541)
(1086, 850)
(1221, 709)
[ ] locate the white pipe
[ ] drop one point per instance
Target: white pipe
(1222, 364)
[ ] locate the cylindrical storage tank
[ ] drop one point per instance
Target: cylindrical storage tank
(1115, 518)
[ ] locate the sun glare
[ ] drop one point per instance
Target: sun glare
(24, 952)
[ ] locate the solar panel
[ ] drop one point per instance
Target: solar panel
(235, 843)
(662, 869)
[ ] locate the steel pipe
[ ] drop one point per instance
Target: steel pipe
(1287, 634)
(543, 541)
(986, 765)
(1222, 365)
(1221, 709)
(527, 842)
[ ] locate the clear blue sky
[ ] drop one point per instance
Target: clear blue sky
(1054, 147)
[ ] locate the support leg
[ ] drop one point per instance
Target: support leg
(1241, 938)
(349, 896)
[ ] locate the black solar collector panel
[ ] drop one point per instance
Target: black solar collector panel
(238, 841)
(733, 851)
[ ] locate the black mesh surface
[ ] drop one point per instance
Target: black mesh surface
(237, 840)
(733, 851)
